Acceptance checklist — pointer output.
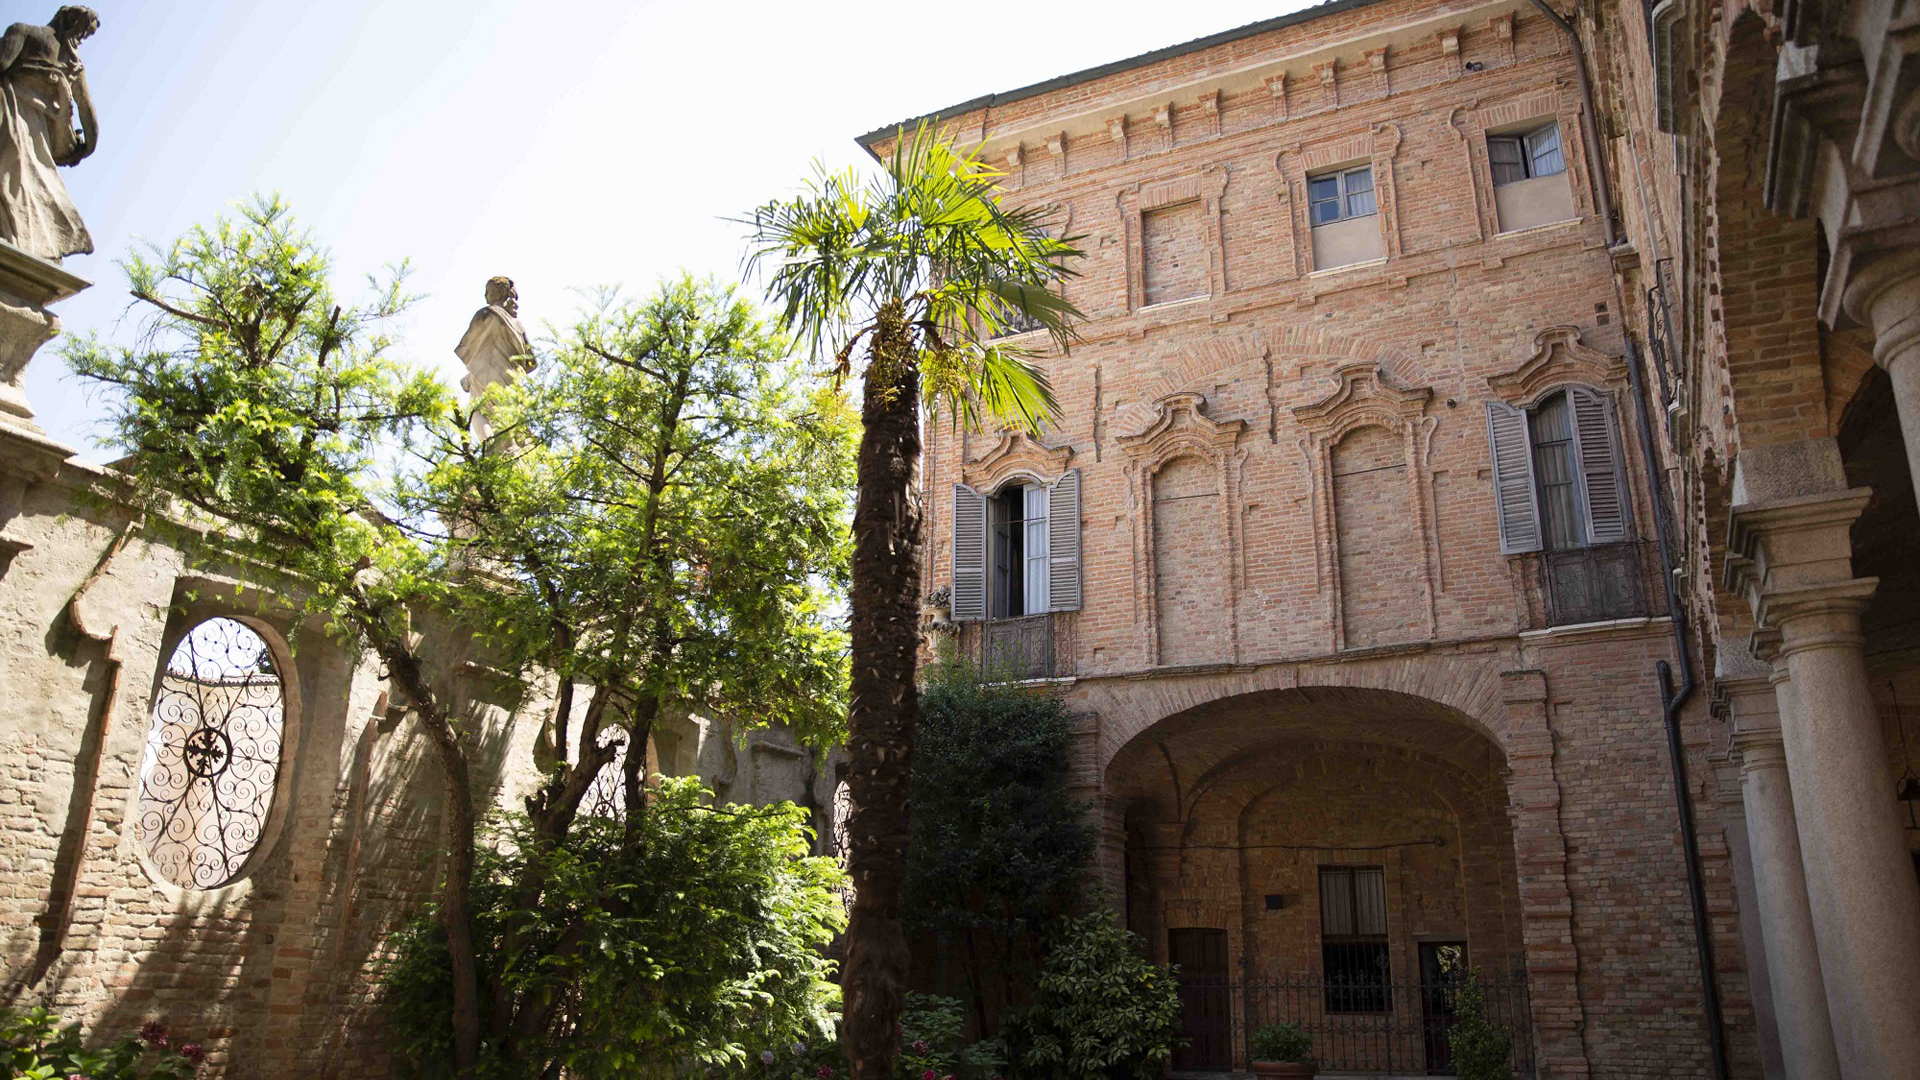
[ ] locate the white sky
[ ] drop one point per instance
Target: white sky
(568, 144)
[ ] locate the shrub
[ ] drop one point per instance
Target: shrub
(991, 810)
(692, 942)
(34, 1046)
(1480, 1047)
(1100, 1011)
(1281, 1042)
(931, 1033)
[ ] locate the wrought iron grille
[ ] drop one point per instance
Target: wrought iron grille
(212, 759)
(1018, 648)
(1409, 1036)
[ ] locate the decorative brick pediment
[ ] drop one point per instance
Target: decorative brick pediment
(1365, 397)
(1181, 425)
(1558, 359)
(1017, 453)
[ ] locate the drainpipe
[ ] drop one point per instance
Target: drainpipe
(1672, 699)
(1589, 138)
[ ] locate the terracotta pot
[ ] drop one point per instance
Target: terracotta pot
(1292, 1070)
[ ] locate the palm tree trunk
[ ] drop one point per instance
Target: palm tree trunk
(884, 595)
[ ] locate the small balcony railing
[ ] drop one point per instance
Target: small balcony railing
(1017, 648)
(1590, 584)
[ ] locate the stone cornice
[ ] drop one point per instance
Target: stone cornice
(1308, 64)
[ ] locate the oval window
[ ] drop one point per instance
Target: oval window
(213, 755)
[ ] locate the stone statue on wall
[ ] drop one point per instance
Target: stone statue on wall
(495, 347)
(42, 87)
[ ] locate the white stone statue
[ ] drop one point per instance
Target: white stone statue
(42, 86)
(495, 347)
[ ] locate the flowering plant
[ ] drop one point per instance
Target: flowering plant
(34, 1045)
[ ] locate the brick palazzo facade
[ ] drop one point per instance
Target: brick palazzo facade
(1426, 348)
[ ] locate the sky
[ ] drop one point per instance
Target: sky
(569, 144)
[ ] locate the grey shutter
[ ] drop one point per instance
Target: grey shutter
(969, 554)
(1063, 542)
(1599, 466)
(1513, 489)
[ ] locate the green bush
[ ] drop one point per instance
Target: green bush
(35, 1047)
(700, 940)
(1100, 1010)
(1281, 1042)
(998, 846)
(932, 1042)
(1480, 1047)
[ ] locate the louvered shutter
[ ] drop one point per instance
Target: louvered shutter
(1063, 542)
(1599, 466)
(1513, 490)
(969, 554)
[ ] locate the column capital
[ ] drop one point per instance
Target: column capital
(1792, 543)
(1760, 750)
(1885, 295)
(1816, 616)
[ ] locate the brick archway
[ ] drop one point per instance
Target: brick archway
(1466, 741)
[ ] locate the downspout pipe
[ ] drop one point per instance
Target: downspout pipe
(1672, 699)
(1589, 138)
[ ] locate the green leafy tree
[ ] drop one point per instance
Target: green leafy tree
(713, 947)
(657, 519)
(991, 810)
(1101, 1010)
(926, 268)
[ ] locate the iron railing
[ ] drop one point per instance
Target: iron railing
(1407, 1034)
(1017, 648)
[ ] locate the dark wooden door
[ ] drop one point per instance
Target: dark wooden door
(1206, 999)
(1443, 967)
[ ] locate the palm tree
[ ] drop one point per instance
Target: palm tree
(926, 267)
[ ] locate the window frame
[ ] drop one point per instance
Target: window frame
(1344, 194)
(1019, 534)
(1360, 999)
(1528, 147)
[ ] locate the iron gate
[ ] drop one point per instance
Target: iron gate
(1405, 1031)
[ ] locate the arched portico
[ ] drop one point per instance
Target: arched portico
(1256, 804)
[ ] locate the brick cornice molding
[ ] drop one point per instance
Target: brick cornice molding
(1181, 426)
(1558, 359)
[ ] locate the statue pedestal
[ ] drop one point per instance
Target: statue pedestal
(27, 285)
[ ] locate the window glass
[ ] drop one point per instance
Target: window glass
(1338, 196)
(1360, 201)
(1035, 586)
(1555, 470)
(1324, 194)
(1017, 563)
(1353, 939)
(1543, 152)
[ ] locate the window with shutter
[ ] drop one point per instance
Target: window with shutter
(1513, 485)
(969, 554)
(1605, 502)
(1063, 542)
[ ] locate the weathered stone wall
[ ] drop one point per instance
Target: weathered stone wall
(276, 972)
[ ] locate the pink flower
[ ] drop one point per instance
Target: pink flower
(824, 1072)
(154, 1032)
(928, 1075)
(194, 1052)
(920, 1046)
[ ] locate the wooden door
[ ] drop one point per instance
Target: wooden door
(1206, 999)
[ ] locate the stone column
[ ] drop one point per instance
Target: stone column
(1886, 296)
(1792, 557)
(1780, 887)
